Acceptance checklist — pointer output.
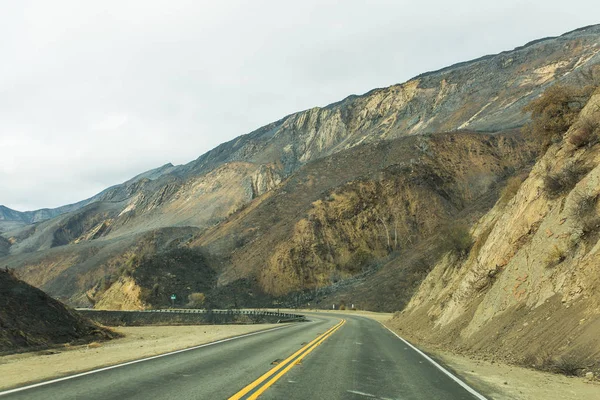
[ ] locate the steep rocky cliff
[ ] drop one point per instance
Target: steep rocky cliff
(528, 290)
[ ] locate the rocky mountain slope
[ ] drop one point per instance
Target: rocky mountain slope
(31, 319)
(338, 215)
(528, 291)
(263, 207)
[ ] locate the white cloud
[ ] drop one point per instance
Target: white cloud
(92, 93)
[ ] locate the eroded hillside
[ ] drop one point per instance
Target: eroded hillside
(31, 319)
(528, 291)
(335, 217)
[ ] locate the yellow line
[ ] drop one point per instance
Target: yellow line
(272, 371)
(264, 387)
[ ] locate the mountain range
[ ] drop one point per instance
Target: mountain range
(318, 206)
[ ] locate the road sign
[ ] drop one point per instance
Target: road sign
(173, 297)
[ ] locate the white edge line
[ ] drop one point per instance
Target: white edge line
(444, 370)
(20, 389)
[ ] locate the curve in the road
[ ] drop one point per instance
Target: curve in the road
(256, 388)
(358, 361)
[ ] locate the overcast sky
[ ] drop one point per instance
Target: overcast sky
(95, 92)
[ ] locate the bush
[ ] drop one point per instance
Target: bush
(555, 257)
(587, 133)
(564, 181)
(456, 238)
(568, 365)
(585, 214)
(512, 187)
(196, 299)
(553, 113)
(358, 261)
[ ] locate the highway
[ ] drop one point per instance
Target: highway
(330, 357)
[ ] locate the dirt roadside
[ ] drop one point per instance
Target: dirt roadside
(506, 382)
(501, 381)
(138, 342)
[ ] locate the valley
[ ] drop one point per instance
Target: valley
(464, 201)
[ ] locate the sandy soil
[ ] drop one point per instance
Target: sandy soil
(139, 342)
(507, 382)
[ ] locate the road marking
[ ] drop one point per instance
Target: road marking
(361, 393)
(444, 370)
(256, 388)
(20, 389)
(264, 387)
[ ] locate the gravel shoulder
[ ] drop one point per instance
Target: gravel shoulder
(138, 342)
(507, 382)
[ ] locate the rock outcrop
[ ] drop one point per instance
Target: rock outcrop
(528, 290)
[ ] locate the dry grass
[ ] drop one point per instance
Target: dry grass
(555, 257)
(456, 238)
(553, 113)
(196, 299)
(585, 214)
(586, 134)
(569, 365)
(562, 182)
(512, 187)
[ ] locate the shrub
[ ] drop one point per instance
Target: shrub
(568, 365)
(105, 283)
(585, 214)
(457, 239)
(359, 260)
(553, 113)
(196, 299)
(587, 133)
(564, 181)
(512, 187)
(555, 257)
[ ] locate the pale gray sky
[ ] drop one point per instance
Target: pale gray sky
(95, 92)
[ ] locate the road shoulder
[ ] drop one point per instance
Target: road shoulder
(138, 342)
(501, 381)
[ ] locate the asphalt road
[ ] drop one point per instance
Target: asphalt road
(321, 359)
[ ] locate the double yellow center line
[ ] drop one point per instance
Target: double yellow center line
(256, 388)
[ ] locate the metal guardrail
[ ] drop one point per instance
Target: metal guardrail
(284, 317)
